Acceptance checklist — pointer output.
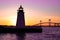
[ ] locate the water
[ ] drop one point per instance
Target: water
(49, 33)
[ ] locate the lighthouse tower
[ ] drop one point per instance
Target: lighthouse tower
(20, 18)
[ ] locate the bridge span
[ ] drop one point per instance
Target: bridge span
(49, 23)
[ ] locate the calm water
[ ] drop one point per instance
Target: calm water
(49, 33)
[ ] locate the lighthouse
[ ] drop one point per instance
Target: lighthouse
(20, 18)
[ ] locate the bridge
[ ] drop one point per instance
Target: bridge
(49, 24)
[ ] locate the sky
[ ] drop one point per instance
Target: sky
(35, 10)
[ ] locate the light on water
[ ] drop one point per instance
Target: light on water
(8, 36)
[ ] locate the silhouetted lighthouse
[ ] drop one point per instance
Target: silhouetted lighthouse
(20, 18)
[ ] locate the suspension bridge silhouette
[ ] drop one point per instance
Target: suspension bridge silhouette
(49, 24)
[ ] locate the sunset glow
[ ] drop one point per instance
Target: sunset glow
(13, 20)
(34, 12)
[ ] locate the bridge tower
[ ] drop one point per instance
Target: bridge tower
(40, 22)
(49, 22)
(20, 18)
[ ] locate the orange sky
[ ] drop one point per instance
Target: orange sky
(34, 12)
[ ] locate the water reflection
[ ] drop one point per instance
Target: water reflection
(7, 36)
(20, 36)
(11, 36)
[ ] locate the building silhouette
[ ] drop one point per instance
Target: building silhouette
(20, 18)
